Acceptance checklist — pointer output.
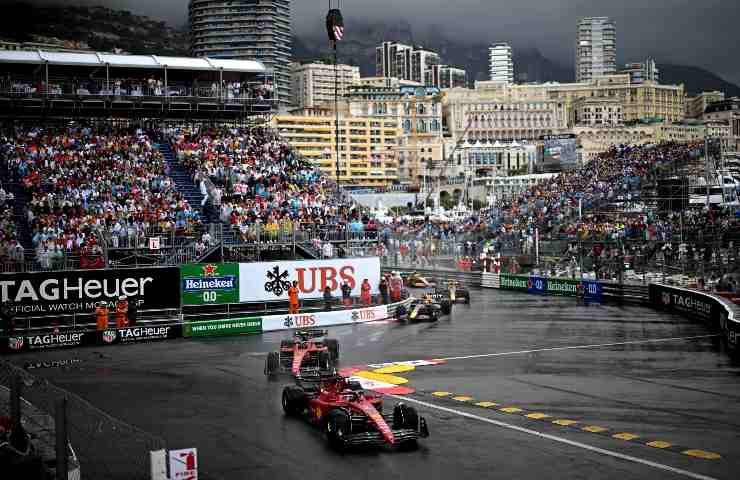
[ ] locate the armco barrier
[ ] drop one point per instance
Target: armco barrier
(324, 319)
(717, 312)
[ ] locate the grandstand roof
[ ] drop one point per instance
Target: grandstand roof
(95, 59)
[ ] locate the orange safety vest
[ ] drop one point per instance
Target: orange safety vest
(121, 314)
(101, 314)
(365, 292)
(293, 295)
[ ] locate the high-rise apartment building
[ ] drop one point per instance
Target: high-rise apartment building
(245, 29)
(501, 65)
(596, 48)
(421, 62)
(444, 76)
(641, 72)
(386, 58)
(313, 83)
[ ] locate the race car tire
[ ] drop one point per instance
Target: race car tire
(272, 363)
(333, 346)
(294, 400)
(446, 307)
(405, 416)
(467, 299)
(337, 428)
(325, 360)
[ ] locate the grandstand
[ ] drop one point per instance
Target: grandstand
(96, 172)
(88, 85)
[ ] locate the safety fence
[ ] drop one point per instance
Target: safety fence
(106, 448)
(718, 311)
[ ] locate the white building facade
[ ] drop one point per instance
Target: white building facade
(313, 83)
(500, 63)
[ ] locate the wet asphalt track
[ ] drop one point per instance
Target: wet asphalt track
(212, 394)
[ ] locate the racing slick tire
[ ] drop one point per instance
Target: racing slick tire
(333, 346)
(272, 363)
(337, 428)
(446, 306)
(406, 417)
(325, 361)
(294, 400)
(467, 298)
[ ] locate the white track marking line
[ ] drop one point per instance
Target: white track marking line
(574, 347)
(555, 438)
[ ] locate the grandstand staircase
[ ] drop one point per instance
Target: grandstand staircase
(183, 180)
(22, 198)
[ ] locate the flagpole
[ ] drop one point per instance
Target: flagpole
(336, 106)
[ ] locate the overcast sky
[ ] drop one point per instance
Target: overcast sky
(703, 33)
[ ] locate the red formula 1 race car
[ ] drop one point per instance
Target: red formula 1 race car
(352, 417)
(304, 354)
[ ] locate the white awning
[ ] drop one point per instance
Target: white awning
(94, 59)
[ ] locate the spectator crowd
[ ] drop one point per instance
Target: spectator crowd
(84, 185)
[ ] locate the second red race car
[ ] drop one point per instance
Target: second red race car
(307, 353)
(352, 417)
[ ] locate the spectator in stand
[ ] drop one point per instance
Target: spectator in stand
(365, 292)
(86, 185)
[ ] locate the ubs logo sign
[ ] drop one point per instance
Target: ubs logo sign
(277, 281)
(299, 321)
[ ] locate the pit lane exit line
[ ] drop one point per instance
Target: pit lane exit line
(555, 438)
(576, 347)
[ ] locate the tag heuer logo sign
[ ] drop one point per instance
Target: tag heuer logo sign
(109, 336)
(666, 298)
(15, 343)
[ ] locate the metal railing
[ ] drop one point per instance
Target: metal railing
(23, 87)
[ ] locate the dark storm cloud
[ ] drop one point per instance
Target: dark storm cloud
(704, 33)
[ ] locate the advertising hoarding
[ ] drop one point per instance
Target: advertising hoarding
(80, 291)
(210, 284)
(217, 328)
(324, 319)
(270, 281)
(560, 150)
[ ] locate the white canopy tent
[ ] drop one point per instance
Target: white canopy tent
(108, 60)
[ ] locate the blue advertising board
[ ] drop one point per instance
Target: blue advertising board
(593, 291)
(537, 285)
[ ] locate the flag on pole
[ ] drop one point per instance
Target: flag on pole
(335, 25)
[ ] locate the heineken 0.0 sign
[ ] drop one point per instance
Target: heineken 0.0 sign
(210, 284)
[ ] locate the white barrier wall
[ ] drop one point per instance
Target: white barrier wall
(324, 319)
